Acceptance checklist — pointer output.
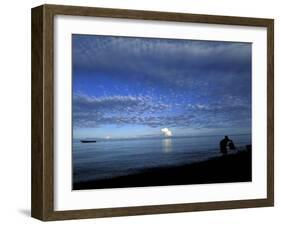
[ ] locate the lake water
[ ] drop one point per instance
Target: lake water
(111, 158)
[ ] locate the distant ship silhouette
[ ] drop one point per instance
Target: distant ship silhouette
(88, 141)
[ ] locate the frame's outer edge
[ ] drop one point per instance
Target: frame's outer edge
(42, 203)
(37, 187)
(48, 120)
(270, 112)
(42, 113)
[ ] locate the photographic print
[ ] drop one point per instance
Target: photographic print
(160, 112)
(147, 112)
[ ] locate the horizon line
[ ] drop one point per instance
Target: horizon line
(159, 136)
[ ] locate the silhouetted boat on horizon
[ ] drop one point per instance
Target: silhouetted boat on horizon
(88, 141)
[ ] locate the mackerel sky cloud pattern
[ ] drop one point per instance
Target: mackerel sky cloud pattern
(141, 85)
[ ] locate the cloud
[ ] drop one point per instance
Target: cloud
(119, 110)
(94, 50)
(178, 64)
(160, 82)
(92, 112)
(117, 104)
(166, 132)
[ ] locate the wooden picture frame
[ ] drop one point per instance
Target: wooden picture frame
(43, 112)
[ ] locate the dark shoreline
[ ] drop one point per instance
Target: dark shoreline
(225, 169)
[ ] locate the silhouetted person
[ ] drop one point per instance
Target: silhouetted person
(226, 142)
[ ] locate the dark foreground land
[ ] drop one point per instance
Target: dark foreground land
(224, 169)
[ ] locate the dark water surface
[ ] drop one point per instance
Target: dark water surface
(113, 158)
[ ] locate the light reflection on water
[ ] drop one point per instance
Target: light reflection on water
(167, 145)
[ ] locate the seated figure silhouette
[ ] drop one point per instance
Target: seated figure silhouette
(224, 143)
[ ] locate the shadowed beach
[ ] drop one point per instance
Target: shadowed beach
(224, 169)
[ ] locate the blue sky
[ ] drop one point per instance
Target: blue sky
(134, 87)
